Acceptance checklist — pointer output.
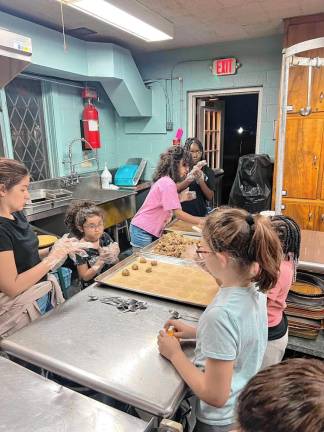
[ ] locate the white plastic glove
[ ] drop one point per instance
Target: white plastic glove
(187, 195)
(62, 248)
(109, 254)
(201, 164)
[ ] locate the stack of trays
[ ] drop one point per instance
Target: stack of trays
(305, 306)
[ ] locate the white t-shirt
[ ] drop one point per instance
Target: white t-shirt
(233, 327)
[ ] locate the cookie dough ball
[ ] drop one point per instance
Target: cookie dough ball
(142, 260)
(125, 272)
(135, 267)
(154, 263)
(149, 270)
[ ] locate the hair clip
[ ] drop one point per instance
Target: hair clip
(249, 219)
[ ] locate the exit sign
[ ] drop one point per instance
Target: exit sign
(225, 66)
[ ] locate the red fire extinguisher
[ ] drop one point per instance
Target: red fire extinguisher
(90, 121)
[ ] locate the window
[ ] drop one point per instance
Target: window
(25, 109)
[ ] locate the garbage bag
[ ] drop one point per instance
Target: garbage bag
(252, 186)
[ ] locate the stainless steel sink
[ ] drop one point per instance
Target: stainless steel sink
(46, 199)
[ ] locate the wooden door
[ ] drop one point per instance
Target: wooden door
(303, 213)
(297, 88)
(317, 99)
(210, 125)
(320, 219)
(304, 139)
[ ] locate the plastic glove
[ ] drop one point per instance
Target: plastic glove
(109, 254)
(187, 195)
(199, 177)
(201, 164)
(62, 248)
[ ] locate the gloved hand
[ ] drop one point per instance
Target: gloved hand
(109, 254)
(201, 164)
(194, 173)
(199, 177)
(187, 195)
(62, 248)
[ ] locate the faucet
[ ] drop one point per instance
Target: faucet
(73, 177)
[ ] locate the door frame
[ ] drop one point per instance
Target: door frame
(194, 95)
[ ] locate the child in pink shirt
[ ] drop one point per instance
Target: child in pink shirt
(289, 234)
(162, 202)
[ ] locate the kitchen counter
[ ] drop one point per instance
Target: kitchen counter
(103, 348)
(32, 403)
(119, 205)
(308, 346)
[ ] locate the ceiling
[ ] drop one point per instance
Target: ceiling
(196, 22)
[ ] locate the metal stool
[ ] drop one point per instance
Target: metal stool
(120, 227)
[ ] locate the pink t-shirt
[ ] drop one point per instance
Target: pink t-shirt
(156, 210)
(276, 302)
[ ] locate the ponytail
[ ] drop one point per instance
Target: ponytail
(247, 239)
(267, 252)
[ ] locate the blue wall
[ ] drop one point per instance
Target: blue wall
(142, 137)
(261, 62)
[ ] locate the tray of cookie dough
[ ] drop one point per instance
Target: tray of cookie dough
(164, 277)
(173, 244)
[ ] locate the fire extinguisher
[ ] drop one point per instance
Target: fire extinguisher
(90, 121)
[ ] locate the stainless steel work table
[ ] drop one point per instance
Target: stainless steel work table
(31, 403)
(115, 353)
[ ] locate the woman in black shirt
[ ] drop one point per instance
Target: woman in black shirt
(23, 281)
(204, 184)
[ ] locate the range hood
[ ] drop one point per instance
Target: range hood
(15, 55)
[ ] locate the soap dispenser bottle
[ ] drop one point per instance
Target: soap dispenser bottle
(106, 178)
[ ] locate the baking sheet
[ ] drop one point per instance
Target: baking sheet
(182, 227)
(172, 278)
(151, 248)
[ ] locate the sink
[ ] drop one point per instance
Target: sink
(46, 199)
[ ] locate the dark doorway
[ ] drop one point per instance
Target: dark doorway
(237, 132)
(241, 113)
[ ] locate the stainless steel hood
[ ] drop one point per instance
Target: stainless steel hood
(15, 55)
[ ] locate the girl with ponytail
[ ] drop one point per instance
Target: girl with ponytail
(243, 253)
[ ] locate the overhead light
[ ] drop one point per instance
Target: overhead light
(240, 130)
(104, 11)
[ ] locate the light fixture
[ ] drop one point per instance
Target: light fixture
(104, 11)
(240, 130)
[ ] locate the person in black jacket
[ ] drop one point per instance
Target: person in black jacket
(203, 182)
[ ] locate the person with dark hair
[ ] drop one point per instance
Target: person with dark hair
(203, 182)
(243, 253)
(289, 234)
(26, 289)
(286, 397)
(162, 201)
(86, 222)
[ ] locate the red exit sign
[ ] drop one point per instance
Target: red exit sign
(225, 66)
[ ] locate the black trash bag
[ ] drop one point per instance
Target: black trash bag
(252, 186)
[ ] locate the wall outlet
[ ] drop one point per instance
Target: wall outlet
(169, 125)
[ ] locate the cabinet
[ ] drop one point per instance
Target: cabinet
(303, 171)
(308, 214)
(304, 138)
(304, 213)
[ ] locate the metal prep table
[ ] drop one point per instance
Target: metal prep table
(112, 352)
(308, 346)
(31, 403)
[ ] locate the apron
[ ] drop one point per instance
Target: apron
(18, 312)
